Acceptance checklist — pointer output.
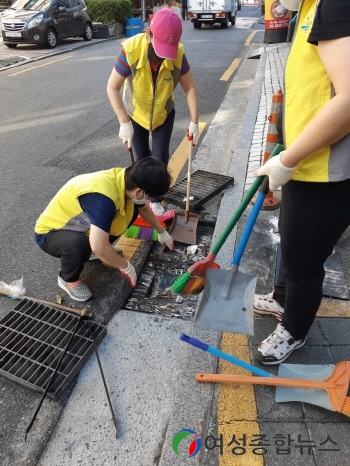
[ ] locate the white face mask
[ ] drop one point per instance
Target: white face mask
(292, 5)
(139, 201)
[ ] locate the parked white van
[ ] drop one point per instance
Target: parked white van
(211, 12)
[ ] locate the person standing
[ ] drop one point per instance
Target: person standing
(184, 9)
(174, 6)
(150, 65)
(313, 170)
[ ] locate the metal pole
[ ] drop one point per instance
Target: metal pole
(143, 6)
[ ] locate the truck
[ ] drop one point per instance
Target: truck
(212, 12)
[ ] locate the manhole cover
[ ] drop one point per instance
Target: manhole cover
(204, 186)
(33, 337)
(10, 61)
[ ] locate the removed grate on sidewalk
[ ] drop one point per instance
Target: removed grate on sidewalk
(33, 336)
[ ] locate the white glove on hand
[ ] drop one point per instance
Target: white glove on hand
(165, 238)
(193, 131)
(130, 274)
(278, 173)
(126, 133)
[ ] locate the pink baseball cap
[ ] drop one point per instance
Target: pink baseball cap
(166, 28)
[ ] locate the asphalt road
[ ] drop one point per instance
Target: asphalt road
(56, 123)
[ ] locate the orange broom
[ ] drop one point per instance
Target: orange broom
(336, 385)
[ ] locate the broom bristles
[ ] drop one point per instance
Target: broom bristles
(179, 284)
(193, 281)
(187, 284)
(346, 407)
(132, 232)
(145, 234)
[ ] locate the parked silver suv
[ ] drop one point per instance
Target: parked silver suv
(44, 22)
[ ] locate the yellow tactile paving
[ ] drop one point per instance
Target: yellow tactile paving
(237, 414)
(334, 308)
(129, 246)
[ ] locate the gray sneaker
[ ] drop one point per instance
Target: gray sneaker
(76, 290)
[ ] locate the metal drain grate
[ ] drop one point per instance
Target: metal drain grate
(204, 186)
(32, 338)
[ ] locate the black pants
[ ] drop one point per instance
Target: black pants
(184, 12)
(73, 248)
(160, 142)
(313, 216)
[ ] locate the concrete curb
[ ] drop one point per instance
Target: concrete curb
(193, 402)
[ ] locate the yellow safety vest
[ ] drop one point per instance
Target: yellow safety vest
(308, 89)
(145, 103)
(65, 213)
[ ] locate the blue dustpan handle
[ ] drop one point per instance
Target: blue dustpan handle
(220, 354)
(250, 222)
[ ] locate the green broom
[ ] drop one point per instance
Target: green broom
(192, 282)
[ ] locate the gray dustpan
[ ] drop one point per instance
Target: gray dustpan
(184, 226)
(227, 303)
(305, 372)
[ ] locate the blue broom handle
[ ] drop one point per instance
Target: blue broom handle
(250, 222)
(220, 354)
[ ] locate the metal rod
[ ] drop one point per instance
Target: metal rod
(103, 379)
(77, 312)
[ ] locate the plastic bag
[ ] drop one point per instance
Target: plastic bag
(14, 289)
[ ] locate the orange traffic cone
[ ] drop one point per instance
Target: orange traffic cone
(271, 202)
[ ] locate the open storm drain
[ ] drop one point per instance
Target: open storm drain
(33, 336)
(204, 186)
(152, 294)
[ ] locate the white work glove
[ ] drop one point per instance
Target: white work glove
(193, 131)
(278, 173)
(126, 133)
(130, 274)
(165, 238)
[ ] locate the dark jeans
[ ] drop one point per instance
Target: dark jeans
(184, 12)
(313, 216)
(73, 248)
(160, 142)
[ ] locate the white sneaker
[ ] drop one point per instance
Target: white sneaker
(157, 208)
(265, 304)
(278, 346)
